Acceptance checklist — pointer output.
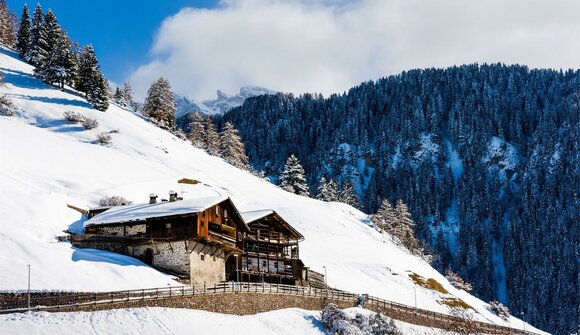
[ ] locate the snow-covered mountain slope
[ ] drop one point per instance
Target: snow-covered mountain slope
(222, 104)
(47, 163)
(178, 321)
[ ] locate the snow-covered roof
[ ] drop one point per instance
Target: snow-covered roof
(142, 212)
(256, 215)
(252, 216)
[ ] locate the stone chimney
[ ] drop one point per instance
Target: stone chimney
(152, 198)
(172, 196)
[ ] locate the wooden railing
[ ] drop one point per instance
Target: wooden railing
(69, 300)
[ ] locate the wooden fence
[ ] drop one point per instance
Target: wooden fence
(55, 301)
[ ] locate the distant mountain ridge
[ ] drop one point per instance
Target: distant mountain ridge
(221, 105)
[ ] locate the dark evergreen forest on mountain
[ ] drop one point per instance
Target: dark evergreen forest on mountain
(485, 156)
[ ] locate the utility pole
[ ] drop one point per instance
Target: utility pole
(523, 320)
(28, 287)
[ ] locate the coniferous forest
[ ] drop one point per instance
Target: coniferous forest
(485, 156)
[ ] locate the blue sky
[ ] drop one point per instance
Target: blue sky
(121, 31)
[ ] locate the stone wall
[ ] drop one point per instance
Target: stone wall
(136, 229)
(170, 256)
(236, 304)
(207, 265)
(119, 248)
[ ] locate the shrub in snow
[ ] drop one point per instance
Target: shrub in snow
(337, 321)
(89, 123)
(457, 281)
(104, 138)
(114, 200)
(73, 117)
(500, 310)
(6, 106)
(382, 325)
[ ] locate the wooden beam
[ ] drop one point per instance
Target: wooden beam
(78, 209)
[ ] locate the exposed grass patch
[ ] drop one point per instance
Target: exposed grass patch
(454, 303)
(428, 283)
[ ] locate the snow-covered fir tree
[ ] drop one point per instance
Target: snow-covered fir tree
(91, 80)
(348, 195)
(23, 36)
(232, 148)
(160, 104)
(8, 25)
(211, 138)
(327, 190)
(293, 178)
(118, 96)
(60, 65)
(197, 131)
(38, 47)
(127, 93)
(385, 218)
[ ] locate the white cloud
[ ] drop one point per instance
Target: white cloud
(328, 46)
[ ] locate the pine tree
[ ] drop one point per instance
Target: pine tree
(8, 25)
(197, 131)
(88, 67)
(405, 229)
(127, 93)
(293, 177)
(385, 218)
(118, 96)
(38, 44)
(99, 93)
(232, 148)
(211, 138)
(23, 40)
(159, 104)
(52, 30)
(348, 195)
(327, 190)
(60, 64)
(91, 80)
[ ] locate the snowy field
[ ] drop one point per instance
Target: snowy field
(47, 163)
(157, 320)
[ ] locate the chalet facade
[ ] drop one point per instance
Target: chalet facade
(206, 240)
(270, 250)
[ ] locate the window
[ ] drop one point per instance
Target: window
(217, 211)
(202, 256)
(225, 213)
(264, 263)
(168, 225)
